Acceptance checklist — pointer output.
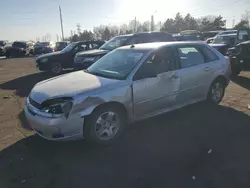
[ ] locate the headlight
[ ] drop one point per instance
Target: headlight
(57, 107)
(44, 60)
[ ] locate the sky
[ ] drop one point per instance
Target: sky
(30, 19)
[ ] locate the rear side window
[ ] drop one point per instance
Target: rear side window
(190, 56)
(208, 54)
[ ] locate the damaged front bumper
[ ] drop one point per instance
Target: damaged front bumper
(59, 128)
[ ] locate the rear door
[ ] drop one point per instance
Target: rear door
(196, 73)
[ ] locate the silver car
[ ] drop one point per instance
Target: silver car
(128, 84)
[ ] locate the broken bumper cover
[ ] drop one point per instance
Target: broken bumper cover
(55, 128)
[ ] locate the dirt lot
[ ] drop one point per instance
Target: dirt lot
(198, 146)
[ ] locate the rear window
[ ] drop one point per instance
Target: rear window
(208, 54)
(19, 44)
(190, 56)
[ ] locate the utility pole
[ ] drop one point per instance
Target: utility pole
(135, 26)
(233, 22)
(61, 22)
(152, 23)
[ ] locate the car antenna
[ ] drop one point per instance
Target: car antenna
(132, 46)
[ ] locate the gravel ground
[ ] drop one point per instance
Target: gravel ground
(197, 146)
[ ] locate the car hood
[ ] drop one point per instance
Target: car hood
(49, 55)
(218, 45)
(91, 53)
(69, 85)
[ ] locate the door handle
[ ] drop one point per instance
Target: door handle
(207, 69)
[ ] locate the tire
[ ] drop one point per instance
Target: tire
(7, 54)
(215, 93)
(236, 71)
(98, 125)
(56, 68)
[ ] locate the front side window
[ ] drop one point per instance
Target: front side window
(117, 64)
(82, 47)
(159, 62)
(114, 43)
(95, 46)
(190, 56)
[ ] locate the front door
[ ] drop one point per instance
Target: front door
(156, 83)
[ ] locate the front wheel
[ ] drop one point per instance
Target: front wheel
(104, 125)
(56, 68)
(216, 91)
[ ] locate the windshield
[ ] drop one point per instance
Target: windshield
(69, 47)
(114, 43)
(224, 40)
(117, 64)
(61, 44)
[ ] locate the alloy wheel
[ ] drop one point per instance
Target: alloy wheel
(107, 125)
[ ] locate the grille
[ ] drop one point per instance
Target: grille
(35, 104)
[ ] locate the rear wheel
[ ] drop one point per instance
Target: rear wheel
(216, 91)
(236, 71)
(56, 68)
(104, 125)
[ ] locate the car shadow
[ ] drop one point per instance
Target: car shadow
(24, 84)
(242, 81)
(197, 146)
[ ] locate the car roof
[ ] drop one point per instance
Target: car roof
(155, 45)
(230, 35)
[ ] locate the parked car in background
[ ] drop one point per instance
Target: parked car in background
(2, 44)
(128, 84)
(210, 34)
(61, 45)
(240, 53)
(180, 37)
(210, 40)
(18, 49)
(85, 59)
(223, 42)
(57, 61)
(228, 32)
(44, 47)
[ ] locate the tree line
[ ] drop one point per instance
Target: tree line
(171, 25)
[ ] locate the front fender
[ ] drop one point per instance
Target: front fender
(123, 95)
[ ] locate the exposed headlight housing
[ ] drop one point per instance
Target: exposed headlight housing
(44, 60)
(58, 107)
